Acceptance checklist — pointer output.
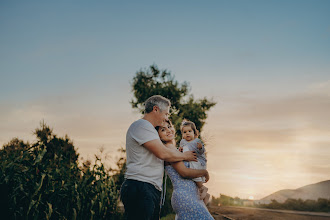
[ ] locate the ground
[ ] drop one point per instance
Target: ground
(238, 213)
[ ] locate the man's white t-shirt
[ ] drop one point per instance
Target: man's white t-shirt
(142, 165)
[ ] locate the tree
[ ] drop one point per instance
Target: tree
(274, 204)
(215, 201)
(153, 81)
(226, 200)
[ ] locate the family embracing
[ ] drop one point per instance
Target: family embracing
(151, 148)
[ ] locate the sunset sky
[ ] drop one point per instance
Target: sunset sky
(265, 63)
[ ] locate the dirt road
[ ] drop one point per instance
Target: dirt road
(241, 213)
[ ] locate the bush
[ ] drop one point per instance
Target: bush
(44, 181)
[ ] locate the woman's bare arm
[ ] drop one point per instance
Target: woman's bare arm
(189, 173)
(186, 172)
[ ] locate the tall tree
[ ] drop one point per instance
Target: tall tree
(153, 81)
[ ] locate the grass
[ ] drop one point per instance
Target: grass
(168, 217)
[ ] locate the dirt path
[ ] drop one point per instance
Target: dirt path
(240, 213)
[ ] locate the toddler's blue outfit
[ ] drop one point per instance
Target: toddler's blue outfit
(201, 163)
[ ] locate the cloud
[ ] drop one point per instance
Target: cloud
(320, 88)
(91, 119)
(276, 120)
(308, 108)
(263, 145)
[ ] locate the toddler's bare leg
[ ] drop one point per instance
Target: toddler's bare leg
(199, 184)
(202, 190)
(206, 200)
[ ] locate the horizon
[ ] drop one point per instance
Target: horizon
(254, 199)
(266, 64)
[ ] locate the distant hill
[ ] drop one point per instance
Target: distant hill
(312, 191)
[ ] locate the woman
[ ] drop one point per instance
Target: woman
(185, 197)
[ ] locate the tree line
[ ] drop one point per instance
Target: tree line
(224, 200)
(319, 205)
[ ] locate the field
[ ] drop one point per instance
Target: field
(239, 213)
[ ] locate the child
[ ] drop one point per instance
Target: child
(191, 142)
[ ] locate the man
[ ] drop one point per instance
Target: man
(141, 191)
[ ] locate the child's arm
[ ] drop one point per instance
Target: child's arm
(199, 146)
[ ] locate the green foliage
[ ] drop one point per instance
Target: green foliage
(320, 205)
(167, 207)
(226, 201)
(168, 217)
(274, 205)
(118, 174)
(153, 81)
(43, 180)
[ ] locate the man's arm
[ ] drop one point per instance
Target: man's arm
(190, 173)
(168, 154)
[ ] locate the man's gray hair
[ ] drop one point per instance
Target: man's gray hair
(156, 100)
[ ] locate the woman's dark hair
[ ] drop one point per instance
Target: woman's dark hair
(158, 127)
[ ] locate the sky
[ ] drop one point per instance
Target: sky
(265, 63)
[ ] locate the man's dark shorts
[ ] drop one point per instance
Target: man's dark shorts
(141, 200)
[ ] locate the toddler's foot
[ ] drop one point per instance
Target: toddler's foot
(203, 192)
(206, 200)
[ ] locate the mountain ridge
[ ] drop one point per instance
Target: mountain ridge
(312, 191)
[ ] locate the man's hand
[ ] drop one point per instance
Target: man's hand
(190, 156)
(207, 177)
(180, 149)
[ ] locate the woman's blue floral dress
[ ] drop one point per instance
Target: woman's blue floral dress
(185, 200)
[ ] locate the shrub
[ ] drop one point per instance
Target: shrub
(44, 181)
